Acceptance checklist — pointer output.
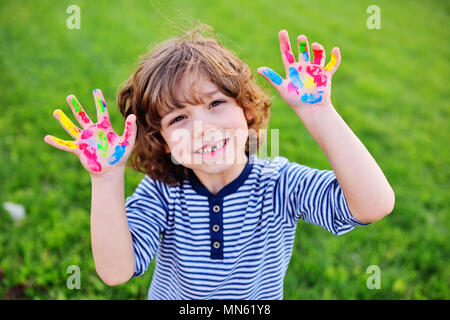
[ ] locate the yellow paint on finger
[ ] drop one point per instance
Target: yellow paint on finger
(309, 82)
(65, 121)
(68, 144)
(332, 62)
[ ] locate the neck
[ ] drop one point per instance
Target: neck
(217, 181)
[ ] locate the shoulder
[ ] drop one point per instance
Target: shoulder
(281, 170)
(149, 188)
(267, 168)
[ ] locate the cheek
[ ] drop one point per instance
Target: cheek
(239, 128)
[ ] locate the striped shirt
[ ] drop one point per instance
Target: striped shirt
(237, 243)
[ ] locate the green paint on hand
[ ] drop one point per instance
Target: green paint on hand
(75, 105)
(103, 143)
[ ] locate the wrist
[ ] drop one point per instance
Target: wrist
(315, 112)
(111, 175)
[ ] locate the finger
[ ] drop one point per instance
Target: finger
(319, 54)
(303, 48)
(127, 140)
(68, 146)
(100, 104)
(286, 51)
(335, 60)
(67, 124)
(274, 78)
(78, 111)
(129, 134)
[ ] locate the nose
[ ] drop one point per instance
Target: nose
(205, 125)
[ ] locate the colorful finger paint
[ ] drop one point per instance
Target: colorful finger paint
(99, 101)
(76, 105)
(68, 144)
(318, 75)
(79, 110)
(318, 55)
(295, 79)
(111, 136)
(292, 88)
(273, 76)
(288, 52)
(105, 124)
(65, 121)
(120, 149)
(312, 97)
(332, 62)
(103, 143)
(117, 155)
(304, 51)
(91, 157)
(86, 134)
(309, 82)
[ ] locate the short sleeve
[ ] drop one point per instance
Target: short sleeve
(146, 212)
(314, 196)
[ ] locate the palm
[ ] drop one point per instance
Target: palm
(308, 81)
(97, 145)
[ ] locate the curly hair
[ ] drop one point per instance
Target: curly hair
(150, 93)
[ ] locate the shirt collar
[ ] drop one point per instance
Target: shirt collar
(228, 189)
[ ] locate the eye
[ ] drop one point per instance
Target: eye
(216, 103)
(175, 120)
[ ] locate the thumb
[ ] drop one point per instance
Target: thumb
(274, 78)
(129, 133)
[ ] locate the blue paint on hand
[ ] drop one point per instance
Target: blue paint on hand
(295, 78)
(117, 155)
(312, 98)
(305, 56)
(273, 76)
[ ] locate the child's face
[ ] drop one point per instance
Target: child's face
(186, 131)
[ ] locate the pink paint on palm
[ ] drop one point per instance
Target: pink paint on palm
(105, 124)
(111, 136)
(317, 73)
(318, 54)
(292, 88)
(86, 134)
(91, 156)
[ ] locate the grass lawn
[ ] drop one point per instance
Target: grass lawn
(390, 89)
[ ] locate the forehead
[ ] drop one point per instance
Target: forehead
(191, 89)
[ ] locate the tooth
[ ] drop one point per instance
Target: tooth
(213, 148)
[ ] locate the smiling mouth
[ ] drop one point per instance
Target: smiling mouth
(211, 151)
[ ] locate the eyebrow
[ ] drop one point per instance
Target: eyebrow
(211, 93)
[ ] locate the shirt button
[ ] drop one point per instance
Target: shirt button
(216, 244)
(216, 208)
(216, 228)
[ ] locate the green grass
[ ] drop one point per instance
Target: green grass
(391, 89)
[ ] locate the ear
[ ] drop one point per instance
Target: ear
(249, 114)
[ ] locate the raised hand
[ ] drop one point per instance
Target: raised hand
(308, 82)
(97, 145)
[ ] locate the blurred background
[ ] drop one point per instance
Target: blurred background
(391, 89)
